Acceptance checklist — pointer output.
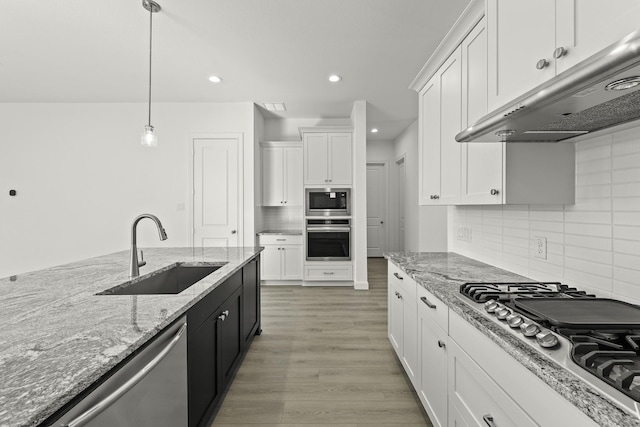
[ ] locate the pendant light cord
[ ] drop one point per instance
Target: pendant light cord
(150, 44)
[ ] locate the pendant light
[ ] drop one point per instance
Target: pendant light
(149, 138)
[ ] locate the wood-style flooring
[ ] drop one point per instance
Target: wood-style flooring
(323, 359)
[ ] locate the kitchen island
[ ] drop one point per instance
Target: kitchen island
(58, 337)
(441, 274)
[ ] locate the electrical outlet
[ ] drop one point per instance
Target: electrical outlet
(461, 233)
(540, 247)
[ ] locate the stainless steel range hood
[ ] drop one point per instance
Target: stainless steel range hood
(578, 101)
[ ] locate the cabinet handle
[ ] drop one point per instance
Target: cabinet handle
(96, 409)
(281, 240)
(399, 295)
(494, 192)
(398, 276)
(542, 64)
(426, 301)
(441, 344)
(224, 315)
(328, 272)
(560, 52)
(489, 420)
(436, 197)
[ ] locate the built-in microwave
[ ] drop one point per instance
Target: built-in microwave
(328, 201)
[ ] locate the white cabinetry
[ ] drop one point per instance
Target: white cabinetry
(282, 174)
(499, 173)
(530, 42)
(403, 321)
(327, 158)
(484, 382)
(440, 120)
(433, 322)
(281, 258)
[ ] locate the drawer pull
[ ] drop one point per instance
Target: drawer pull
(426, 301)
(489, 420)
(441, 344)
(398, 276)
(281, 240)
(328, 272)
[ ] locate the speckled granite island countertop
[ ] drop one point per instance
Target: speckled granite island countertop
(443, 273)
(280, 233)
(57, 337)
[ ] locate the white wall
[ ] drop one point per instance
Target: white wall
(359, 195)
(425, 226)
(81, 177)
(594, 244)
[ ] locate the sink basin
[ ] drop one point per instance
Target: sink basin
(172, 281)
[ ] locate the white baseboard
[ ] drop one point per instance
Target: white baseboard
(361, 285)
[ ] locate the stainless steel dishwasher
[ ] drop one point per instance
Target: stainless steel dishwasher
(150, 390)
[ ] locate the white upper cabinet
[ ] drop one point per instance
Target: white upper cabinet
(282, 174)
(532, 41)
(440, 120)
(327, 158)
(482, 164)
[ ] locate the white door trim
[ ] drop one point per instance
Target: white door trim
(239, 137)
(385, 164)
(394, 206)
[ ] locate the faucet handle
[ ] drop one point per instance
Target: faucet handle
(142, 262)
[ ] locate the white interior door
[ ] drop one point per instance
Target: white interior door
(401, 200)
(216, 192)
(376, 209)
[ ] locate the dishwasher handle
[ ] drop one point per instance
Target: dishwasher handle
(96, 409)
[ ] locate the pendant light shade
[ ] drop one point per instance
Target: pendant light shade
(149, 138)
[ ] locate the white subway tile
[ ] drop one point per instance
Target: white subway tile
(631, 247)
(601, 243)
(588, 217)
(546, 226)
(626, 232)
(588, 229)
(587, 254)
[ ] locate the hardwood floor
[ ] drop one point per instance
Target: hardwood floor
(323, 359)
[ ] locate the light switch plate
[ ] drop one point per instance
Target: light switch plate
(540, 247)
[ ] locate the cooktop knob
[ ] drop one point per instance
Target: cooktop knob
(546, 339)
(502, 313)
(514, 320)
(491, 306)
(529, 329)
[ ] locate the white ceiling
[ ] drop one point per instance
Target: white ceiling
(265, 50)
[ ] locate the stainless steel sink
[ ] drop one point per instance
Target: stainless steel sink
(172, 281)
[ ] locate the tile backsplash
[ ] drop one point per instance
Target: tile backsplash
(594, 244)
(282, 217)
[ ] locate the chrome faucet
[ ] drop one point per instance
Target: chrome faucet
(135, 264)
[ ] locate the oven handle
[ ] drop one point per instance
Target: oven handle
(328, 229)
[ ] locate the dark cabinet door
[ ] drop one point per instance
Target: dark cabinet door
(229, 337)
(202, 348)
(250, 299)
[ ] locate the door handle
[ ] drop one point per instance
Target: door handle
(233, 231)
(381, 222)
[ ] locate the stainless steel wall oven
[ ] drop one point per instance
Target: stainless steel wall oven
(328, 239)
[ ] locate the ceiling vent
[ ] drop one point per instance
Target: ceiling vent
(274, 106)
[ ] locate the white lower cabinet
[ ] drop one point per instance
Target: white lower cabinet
(281, 258)
(432, 340)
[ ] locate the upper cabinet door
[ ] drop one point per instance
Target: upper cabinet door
(272, 176)
(339, 158)
(482, 165)
(315, 158)
(588, 26)
(429, 142)
(293, 192)
(451, 124)
(521, 33)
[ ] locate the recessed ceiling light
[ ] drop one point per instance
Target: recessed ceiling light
(374, 130)
(334, 78)
(215, 79)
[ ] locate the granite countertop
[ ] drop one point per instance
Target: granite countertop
(280, 232)
(57, 337)
(443, 273)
